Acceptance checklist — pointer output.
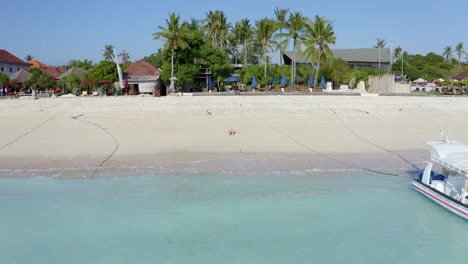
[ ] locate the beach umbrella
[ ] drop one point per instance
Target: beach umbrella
(210, 82)
(283, 80)
(105, 81)
(420, 80)
(86, 81)
(7, 88)
(291, 82)
(311, 80)
(273, 81)
(55, 79)
(322, 82)
(15, 81)
(254, 82)
(432, 85)
(233, 79)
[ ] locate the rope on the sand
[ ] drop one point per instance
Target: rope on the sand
(117, 145)
(320, 153)
(372, 143)
(27, 133)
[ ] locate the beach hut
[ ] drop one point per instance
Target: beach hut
(21, 76)
(73, 70)
(143, 77)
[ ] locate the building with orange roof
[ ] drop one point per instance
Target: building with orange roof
(53, 72)
(10, 64)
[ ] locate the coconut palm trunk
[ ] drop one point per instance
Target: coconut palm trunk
(293, 64)
(172, 64)
(317, 68)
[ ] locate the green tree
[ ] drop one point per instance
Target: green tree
(317, 38)
(45, 81)
(4, 79)
(380, 45)
(85, 65)
(397, 53)
(72, 83)
(245, 36)
(28, 57)
(263, 37)
(448, 53)
(175, 36)
(105, 70)
(108, 52)
(295, 27)
(125, 56)
(460, 51)
(217, 28)
(280, 15)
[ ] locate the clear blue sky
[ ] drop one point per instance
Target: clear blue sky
(56, 31)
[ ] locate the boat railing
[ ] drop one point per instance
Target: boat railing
(449, 166)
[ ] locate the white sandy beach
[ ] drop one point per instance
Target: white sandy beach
(170, 131)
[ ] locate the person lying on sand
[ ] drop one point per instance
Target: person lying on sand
(232, 132)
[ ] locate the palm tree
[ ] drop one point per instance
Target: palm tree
(380, 45)
(192, 25)
(108, 52)
(28, 57)
(318, 36)
(125, 56)
(211, 27)
(175, 36)
(245, 34)
(459, 50)
(397, 52)
(263, 37)
(233, 41)
(448, 53)
(217, 28)
(295, 26)
(281, 21)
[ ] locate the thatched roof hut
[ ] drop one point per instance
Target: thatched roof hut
(21, 75)
(74, 70)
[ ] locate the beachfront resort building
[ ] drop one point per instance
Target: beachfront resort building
(53, 72)
(10, 64)
(142, 77)
(356, 58)
(461, 76)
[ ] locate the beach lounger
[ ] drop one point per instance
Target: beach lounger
(84, 93)
(94, 93)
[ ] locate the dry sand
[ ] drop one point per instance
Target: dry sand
(185, 132)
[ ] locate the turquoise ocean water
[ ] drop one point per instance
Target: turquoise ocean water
(295, 217)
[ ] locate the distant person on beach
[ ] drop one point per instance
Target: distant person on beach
(231, 132)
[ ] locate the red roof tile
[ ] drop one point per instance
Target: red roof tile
(142, 68)
(6, 56)
(461, 75)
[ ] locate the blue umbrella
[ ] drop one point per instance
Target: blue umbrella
(291, 82)
(233, 79)
(273, 81)
(254, 82)
(298, 79)
(322, 82)
(283, 80)
(210, 82)
(311, 80)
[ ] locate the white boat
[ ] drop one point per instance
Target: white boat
(449, 188)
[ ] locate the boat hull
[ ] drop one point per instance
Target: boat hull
(442, 199)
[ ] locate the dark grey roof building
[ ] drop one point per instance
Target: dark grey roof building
(356, 58)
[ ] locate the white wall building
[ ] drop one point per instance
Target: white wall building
(10, 64)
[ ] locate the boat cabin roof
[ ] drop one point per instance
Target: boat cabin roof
(452, 155)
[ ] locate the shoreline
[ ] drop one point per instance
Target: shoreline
(175, 163)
